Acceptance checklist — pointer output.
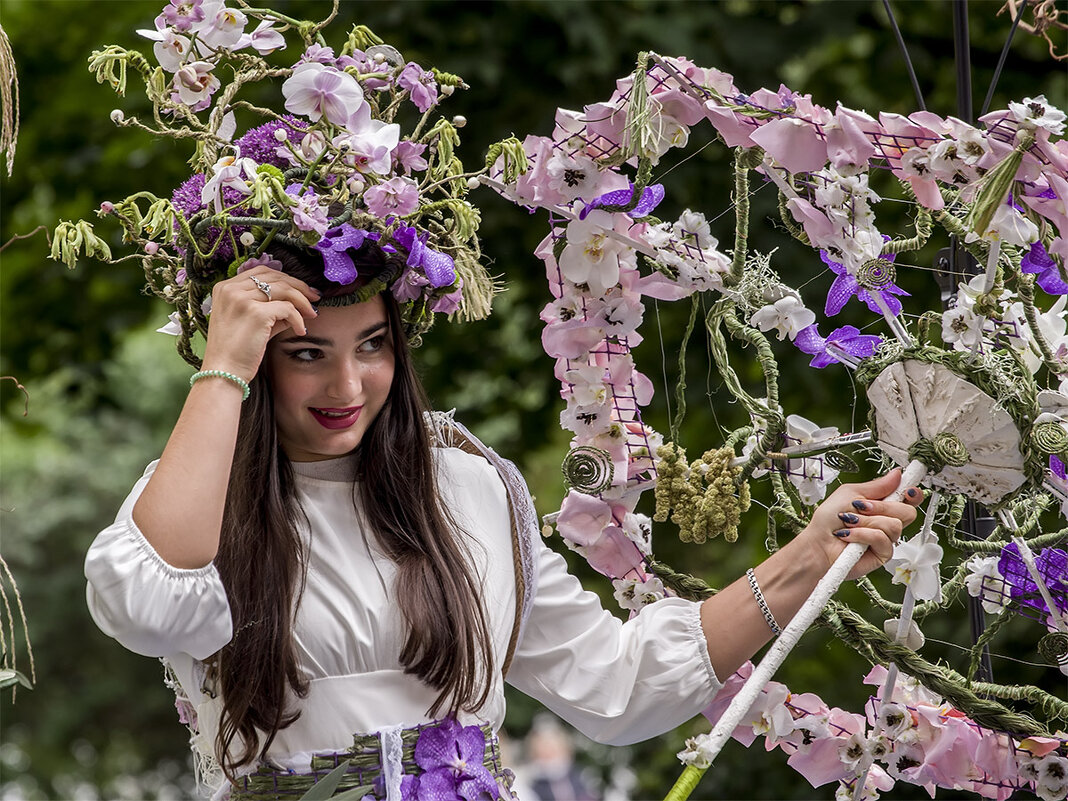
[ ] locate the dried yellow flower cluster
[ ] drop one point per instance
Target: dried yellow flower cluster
(702, 496)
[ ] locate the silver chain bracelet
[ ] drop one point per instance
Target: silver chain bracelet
(762, 602)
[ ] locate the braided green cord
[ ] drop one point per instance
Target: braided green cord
(856, 631)
(923, 232)
(745, 159)
(992, 628)
(680, 387)
(685, 586)
(795, 230)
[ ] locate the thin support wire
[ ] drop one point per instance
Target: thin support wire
(1002, 57)
(905, 52)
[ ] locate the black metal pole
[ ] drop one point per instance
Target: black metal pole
(978, 521)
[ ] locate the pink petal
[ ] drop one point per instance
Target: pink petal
(796, 145)
(583, 518)
(734, 128)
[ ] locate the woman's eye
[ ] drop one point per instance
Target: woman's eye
(306, 354)
(373, 344)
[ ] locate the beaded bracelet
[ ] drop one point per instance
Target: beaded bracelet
(762, 603)
(222, 374)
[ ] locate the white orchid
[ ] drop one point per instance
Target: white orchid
(915, 564)
(591, 256)
(229, 172)
(788, 316)
(573, 176)
(986, 583)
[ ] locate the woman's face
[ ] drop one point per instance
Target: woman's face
(330, 385)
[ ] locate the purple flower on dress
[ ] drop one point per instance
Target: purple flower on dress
(650, 199)
(1040, 263)
(846, 286)
(439, 268)
(1052, 565)
(335, 245)
(451, 757)
(847, 338)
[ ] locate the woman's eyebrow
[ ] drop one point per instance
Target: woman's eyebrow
(374, 329)
(307, 339)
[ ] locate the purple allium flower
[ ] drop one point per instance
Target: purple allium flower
(260, 144)
(1037, 261)
(439, 268)
(186, 198)
(335, 244)
(420, 84)
(650, 199)
(847, 338)
(846, 286)
(451, 757)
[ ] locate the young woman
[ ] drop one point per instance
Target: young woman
(315, 564)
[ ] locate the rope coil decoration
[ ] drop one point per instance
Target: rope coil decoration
(588, 469)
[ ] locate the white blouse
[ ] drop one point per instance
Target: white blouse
(616, 682)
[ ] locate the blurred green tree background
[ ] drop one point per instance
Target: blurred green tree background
(105, 389)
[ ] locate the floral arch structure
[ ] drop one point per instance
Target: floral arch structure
(972, 398)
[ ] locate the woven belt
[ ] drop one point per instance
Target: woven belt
(368, 772)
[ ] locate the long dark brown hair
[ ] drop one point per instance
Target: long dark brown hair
(262, 560)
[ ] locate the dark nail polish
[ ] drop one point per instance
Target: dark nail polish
(911, 492)
(847, 517)
(861, 506)
(842, 533)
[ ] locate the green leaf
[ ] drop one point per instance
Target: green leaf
(324, 788)
(10, 677)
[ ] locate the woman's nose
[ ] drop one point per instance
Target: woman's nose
(346, 381)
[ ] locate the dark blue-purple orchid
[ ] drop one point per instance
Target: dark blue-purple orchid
(1057, 467)
(650, 199)
(846, 286)
(1038, 262)
(439, 268)
(451, 757)
(335, 245)
(847, 338)
(1052, 566)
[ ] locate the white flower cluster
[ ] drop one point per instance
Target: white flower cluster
(688, 247)
(634, 594)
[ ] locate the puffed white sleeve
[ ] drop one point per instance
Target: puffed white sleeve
(616, 682)
(148, 605)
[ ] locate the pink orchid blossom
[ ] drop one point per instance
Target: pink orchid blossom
(571, 339)
(171, 48)
(398, 196)
(229, 172)
(315, 90)
(821, 232)
(583, 517)
(195, 84)
(409, 156)
(371, 142)
(181, 14)
(221, 27)
(265, 39)
(420, 83)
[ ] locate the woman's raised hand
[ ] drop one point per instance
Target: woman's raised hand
(250, 308)
(858, 513)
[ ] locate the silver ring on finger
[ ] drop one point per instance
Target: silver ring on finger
(262, 286)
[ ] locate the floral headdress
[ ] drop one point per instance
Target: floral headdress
(333, 173)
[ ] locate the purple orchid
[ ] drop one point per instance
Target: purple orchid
(335, 244)
(1057, 467)
(1052, 565)
(847, 338)
(650, 199)
(439, 268)
(1040, 263)
(452, 758)
(846, 286)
